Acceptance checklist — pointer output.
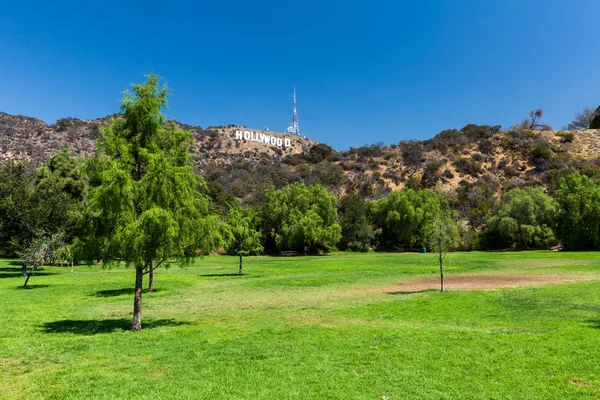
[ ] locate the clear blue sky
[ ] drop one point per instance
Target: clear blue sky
(365, 71)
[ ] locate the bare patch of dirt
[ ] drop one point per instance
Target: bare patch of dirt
(578, 382)
(483, 282)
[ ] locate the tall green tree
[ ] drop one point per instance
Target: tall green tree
(300, 216)
(578, 218)
(143, 206)
(402, 216)
(522, 219)
(245, 236)
(354, 216)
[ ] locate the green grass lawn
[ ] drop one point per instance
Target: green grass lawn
(327, 327)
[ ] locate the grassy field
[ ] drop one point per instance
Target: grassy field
(330, 327)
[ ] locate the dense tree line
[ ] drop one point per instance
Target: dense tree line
(139, 202)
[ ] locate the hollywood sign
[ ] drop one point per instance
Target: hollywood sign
(263, 138)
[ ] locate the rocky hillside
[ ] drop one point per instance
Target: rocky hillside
(242, 163)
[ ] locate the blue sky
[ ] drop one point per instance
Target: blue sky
(365, 71)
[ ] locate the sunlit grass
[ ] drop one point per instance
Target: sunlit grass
(324, 327)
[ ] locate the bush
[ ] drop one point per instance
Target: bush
(467, 166)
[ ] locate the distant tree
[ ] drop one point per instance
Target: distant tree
(402, 216)
(578, 219)
(63, 173)
(354, 217)
(582, 119)
(40, 252)
(144, 207)
(533, 122)
(299, 216)
(523, 219)
(28, 211)
(442, 237)
(245, 237)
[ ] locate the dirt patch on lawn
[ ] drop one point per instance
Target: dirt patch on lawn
(483, 282)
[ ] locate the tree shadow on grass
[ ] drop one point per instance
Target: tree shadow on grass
(119, 292)
(28, 287)
(221, 275)
(413, 292)
(594, 323)
(16, 272)
(96, 326)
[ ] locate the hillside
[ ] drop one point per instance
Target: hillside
(464, 160)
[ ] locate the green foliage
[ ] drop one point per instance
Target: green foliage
(401, 217)
(144, 206)
(299, 216)
(354, 216)
(39, 252)
(62, 173)
(244, 224)
(522, 219)
(578, 219)
(28, 212)
(468, 166)
(442, 237)
(318, 152)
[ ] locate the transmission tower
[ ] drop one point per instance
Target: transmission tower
(294, 128)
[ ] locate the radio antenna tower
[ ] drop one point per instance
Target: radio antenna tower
(294, 128)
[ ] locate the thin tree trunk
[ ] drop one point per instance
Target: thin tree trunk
(137, 302)
(442, 272)
(241, 272)
(151, 279)
(28, 276)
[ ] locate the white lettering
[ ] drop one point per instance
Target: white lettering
(263, 138)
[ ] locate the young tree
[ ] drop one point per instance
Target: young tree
(245, 238)
(144, 207)
(40, 251)
(442, 237)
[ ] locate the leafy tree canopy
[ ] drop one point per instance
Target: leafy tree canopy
(144, 206)
(402, 216)
(523, 219)
(301, 215)
(578, 219)
(354, 215)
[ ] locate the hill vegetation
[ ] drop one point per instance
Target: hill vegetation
(523, 188)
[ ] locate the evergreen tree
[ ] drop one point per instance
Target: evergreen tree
(144, 207)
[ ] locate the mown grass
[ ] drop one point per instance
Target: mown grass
(325, 327)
